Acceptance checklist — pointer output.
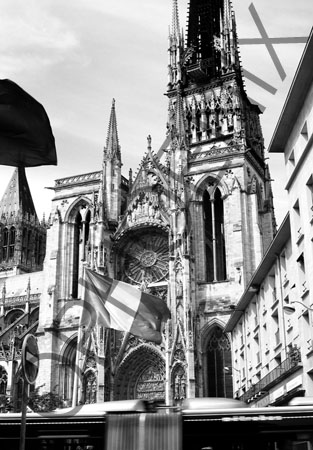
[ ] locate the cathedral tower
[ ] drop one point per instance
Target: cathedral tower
(230, 220)
(190, 227)
(199, 215)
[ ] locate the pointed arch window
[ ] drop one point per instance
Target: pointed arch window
(218, 359)
(39, 250)
(76, 248)
(215, 255)
(29, 247)
(5, 246)
(24, 245)
(80, 240)
(68, 371)
(12, 242)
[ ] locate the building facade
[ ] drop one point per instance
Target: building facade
(190, 226)
(22, 252)
(272, 348)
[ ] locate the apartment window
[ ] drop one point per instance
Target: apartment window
(255, 315)
(272, 286)
(304, 132)
(310, 195)
(302, 275)
(291, 158)
(283, 266)
(276, 328)
(297, 222)
(214, 236)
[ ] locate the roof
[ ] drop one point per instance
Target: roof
(282, 236)
(17, 197)
(294, 102)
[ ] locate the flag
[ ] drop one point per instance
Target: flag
(26, 138)
(123, 307)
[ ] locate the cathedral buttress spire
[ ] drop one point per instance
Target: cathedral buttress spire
(111, 183)
(112, 149)
(175, 23)
(175, 50)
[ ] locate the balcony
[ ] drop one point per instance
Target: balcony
(283, 370)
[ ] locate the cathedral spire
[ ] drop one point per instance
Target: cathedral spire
(112, 148)
(110, 194)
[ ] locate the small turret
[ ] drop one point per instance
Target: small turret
(22, 237)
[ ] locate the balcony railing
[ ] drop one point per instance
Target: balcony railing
(286, 367)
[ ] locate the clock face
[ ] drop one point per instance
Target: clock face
(146, 258)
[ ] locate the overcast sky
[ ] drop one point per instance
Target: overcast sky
(74, 56)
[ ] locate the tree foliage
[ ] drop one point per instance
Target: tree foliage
(44, 402)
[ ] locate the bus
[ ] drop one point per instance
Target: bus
(198, 424)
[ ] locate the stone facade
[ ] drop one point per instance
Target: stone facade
(190, 227)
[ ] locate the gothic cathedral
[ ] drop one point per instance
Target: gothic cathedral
(190, 227)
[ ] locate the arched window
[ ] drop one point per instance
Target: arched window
(218, 362)
(80, 240)
(68, 371)
(5, 246)
(77, 233)
(29, 247)
(213, 209)
(24, 245)
(12, 242)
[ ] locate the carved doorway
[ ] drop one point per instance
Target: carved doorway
(141, 375)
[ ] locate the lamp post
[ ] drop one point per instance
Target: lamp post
(230, 369)
(289, 309)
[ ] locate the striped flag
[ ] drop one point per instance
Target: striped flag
(123, 307)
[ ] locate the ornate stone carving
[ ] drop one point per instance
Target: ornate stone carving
(151, 385)
(146, 258)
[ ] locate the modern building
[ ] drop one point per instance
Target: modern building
(272, 348)
(191, 226)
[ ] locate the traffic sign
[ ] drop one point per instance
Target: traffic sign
(30, 359)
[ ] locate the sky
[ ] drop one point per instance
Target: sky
(75, 56)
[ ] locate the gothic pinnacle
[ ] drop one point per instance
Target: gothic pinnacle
(112, 148)
(175, 22)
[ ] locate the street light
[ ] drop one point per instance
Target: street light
(229, 369)
(289, 309)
